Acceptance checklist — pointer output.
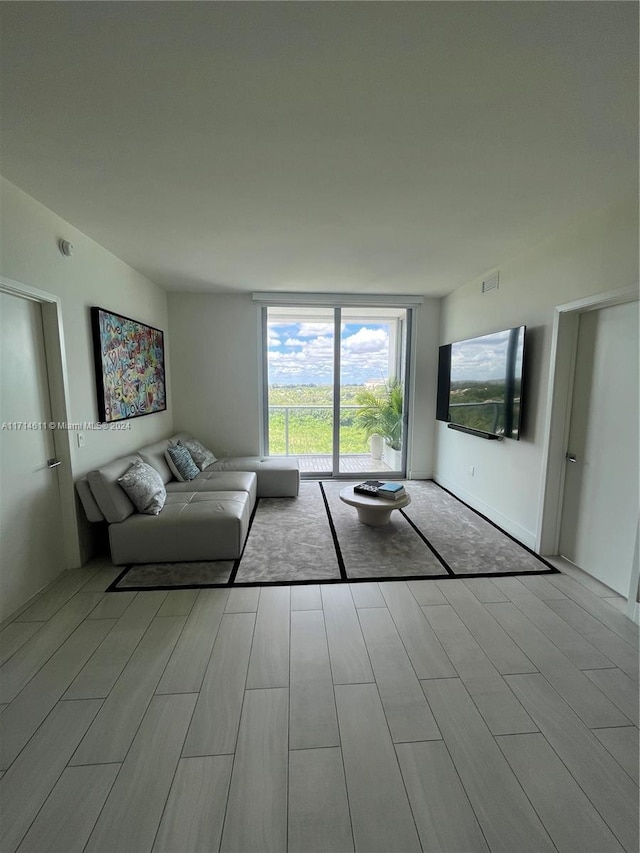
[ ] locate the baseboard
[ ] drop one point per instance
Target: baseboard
(419, 475)
(526, 537)
(31, 600)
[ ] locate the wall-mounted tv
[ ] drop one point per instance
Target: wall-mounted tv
(480, 384)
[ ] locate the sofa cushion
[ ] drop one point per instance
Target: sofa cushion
(192, 526)
(278, 476)
(153, 454)
(91, 508)
(144, 487)
(179, 436)
(201, 455)
(181, 462)
(110, 496)
(219, 481)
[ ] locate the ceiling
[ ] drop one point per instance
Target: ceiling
(384, 147)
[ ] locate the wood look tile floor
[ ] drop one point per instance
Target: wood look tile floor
(454, 715)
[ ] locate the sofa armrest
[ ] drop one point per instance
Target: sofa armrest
(91, 508)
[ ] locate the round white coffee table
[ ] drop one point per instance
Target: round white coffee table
(372, 511)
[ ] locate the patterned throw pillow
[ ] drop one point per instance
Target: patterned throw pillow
(145, 488)
(199, 453)
(182, 465)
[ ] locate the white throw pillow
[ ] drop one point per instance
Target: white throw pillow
(199, 453)
(145, 488)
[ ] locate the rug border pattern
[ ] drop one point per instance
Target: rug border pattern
(344, 578)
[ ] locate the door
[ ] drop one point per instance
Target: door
(31, 553)
(325, 369)
(600, 506)
(373, 356)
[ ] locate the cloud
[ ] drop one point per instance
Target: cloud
(310, 362)
(307, 354)
(319, 346)
(311, 330)
(367, 341)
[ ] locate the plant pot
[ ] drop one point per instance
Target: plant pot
(377, 446)
(392, 457)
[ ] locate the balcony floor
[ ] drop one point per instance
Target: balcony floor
(355, 464)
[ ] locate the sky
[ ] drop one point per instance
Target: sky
(302, 353)
(482, 358)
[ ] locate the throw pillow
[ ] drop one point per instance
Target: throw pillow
(182, 465)
(199, 453)
(145, 488)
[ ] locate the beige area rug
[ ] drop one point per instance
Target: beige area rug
(394, 550)
(316, 538)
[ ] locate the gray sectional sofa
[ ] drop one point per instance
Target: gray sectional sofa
(206, 518)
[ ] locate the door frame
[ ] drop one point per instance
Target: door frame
(57, 376)
(558, 412)
(266, 300)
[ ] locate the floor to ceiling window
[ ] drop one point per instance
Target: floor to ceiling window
(336, 388)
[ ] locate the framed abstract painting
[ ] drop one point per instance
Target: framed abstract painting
(130, 367)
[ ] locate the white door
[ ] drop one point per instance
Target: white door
(600, 508)
(31, 541)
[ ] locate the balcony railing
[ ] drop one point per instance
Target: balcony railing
(307, 430)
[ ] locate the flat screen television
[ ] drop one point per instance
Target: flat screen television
(480, 383)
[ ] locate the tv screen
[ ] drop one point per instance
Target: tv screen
(480, 384)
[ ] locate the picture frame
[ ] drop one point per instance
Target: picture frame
(129, 366)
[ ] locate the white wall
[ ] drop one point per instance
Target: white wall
(594, 255)
(422, 412)
(92, 276)
(216, 367)
(215, 370)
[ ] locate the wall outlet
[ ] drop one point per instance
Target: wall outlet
(472, 470)
(80, 439)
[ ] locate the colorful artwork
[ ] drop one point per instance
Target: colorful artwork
(130, 371)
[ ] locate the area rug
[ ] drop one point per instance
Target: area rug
(316, 538)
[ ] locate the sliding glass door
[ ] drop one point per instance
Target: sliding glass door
(300, 386)
(335, 388)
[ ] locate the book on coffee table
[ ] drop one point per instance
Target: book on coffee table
(391, 491)
(380, 489)
(369, 487)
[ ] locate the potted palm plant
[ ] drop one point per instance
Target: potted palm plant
(381, 415)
